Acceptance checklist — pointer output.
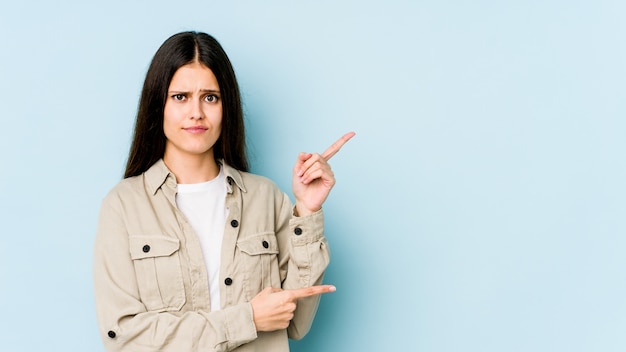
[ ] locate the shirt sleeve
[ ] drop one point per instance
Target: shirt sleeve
(304, 263)
(125, 323)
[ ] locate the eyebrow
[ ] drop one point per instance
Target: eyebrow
(201, 91)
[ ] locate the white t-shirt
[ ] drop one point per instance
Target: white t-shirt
(204, 206)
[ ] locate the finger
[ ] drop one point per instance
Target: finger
(298, 169)
(312, 291)
(303, 157)
(333, 149)
(315, 161)
(315, 173)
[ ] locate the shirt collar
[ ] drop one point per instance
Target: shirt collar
(232, 176)
(158, 175)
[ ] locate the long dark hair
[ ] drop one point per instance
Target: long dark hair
(148, 144)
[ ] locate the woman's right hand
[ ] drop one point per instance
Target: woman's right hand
(273, 308)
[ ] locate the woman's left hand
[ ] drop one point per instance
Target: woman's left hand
(313, 178)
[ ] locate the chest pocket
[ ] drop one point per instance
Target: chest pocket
(259, 262)
(158, 270)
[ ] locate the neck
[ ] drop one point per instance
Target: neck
(192, 169)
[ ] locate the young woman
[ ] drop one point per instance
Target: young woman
(192, 252)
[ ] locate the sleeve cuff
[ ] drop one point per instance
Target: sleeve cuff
(307, 229)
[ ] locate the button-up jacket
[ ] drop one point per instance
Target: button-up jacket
(151, 285)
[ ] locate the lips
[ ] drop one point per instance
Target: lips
(195, 129)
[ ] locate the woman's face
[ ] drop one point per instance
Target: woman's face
(192, 119)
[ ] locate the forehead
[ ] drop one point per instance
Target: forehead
(194, 76)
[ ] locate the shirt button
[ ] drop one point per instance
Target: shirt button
(111, 334)
(297, 231)
(228, 281)
(234, 223)
(146, 249)
(266, 245)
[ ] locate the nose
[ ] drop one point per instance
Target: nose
(196, 110)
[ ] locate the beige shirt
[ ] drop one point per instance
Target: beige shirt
(150, 278)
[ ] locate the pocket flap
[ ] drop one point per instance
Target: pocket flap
(152, 246)
(262, 243)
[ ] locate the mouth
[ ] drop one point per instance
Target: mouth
(195, 129)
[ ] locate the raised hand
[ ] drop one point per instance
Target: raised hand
(273, 307)
(313, 178)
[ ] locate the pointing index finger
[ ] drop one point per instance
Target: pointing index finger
(333, 149)
(311, 291)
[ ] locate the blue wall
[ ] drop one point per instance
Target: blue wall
(481, 206)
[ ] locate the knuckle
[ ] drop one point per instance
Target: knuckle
(290, 297)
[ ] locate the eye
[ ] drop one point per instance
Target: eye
(211, 98)
(178, 97)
